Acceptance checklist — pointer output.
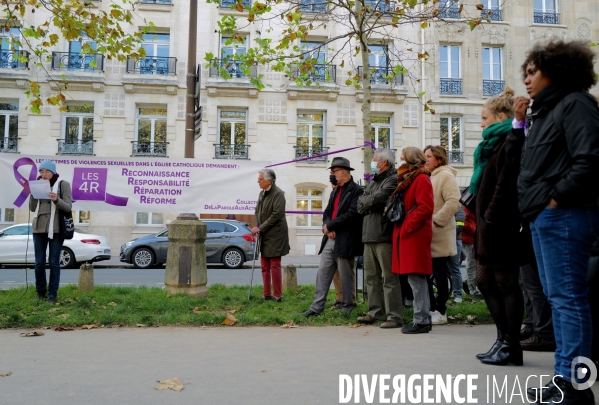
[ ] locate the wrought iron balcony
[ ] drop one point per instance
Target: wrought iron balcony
(546, 18)
(149, 149)
(9, 145)
(383, 6)
(10, 59)
(77, 61)
(164, 2)
(319, 73)
(234, 67)
(308, 151)
(231, 151)
(378, 75)
(152, 65)
(455, 156)
(493, 14)
(75, 148)
(451, 86)
(449, 12)
(313, 6)
(231, 3)
(493, 87)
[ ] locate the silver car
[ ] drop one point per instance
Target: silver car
(228, 242)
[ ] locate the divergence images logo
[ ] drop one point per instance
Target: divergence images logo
(583, 373)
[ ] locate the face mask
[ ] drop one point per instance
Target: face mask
(401, 163)
(375, 169)
(333, 179)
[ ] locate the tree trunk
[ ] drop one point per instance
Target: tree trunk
(366, 102)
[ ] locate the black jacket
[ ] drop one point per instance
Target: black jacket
(559, 159)
(347, 224)
(376, 228)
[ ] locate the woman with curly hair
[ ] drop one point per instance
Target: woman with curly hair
(557, 148)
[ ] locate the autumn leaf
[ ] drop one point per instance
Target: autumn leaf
(92, 326)
(196, 310)
(62, 329)
(460, 9)
(239, 7)
(6, 374)
(34, 333)
(63, 316)
(112, 303)
(229, 320)
(140, 325)
(357, 325)
(289, 324)
(174, 384)
(53, 309)
(480, 7)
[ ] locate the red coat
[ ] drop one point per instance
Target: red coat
(412, 240)
(469, 227)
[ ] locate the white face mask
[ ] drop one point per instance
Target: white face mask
(401, 163)
(373, 166)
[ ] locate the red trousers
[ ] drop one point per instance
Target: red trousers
(271, 267)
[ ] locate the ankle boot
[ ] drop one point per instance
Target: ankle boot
(493, 348)
(544, 394)
(509, 351)
(568, 395)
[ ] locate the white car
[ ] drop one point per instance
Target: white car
(16, 243)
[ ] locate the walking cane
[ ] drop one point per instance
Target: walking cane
(253, 264)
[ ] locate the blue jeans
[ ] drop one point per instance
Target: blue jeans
(454, 267)
(40, 244)
(562, 241)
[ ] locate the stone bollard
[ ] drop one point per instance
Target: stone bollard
(290, 278)
(86, 277)
(186, 257)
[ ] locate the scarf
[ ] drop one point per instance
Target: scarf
(405, 176)
(493, 135)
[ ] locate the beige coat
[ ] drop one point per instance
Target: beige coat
(447, 203)
(63, 202)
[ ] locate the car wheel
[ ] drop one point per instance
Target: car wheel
(67, 258)
(233, 258)
(143, 258)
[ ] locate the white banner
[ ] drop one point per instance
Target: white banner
(140, 185)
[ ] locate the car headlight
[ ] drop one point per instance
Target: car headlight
(128, 244)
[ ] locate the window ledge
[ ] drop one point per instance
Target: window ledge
(162, 8)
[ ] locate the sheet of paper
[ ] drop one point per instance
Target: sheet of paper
(40, 189)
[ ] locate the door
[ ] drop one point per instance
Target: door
(377, 59)
(161, 246)
(215, 241)
(14, 243)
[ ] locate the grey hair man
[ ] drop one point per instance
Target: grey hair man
(383, 286)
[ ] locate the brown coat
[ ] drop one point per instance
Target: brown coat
(270, 217)
(64, 203)
(447, 203)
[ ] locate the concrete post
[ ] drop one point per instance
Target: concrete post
(290, 278)
(86, 277)
(186, 257)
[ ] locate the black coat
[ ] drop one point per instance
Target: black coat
(348, 223)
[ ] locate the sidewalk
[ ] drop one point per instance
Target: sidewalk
(230, 365)
(299, 262)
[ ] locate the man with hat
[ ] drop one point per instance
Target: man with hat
(342, 240)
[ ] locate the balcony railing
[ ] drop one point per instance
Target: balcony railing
(546, 18)
(75, 148)
(455, 156)
(152, 66)
(77, 61)
(149, 149)
(230, 3)
(313, 6)
(493, 87)
(165, 2)
(10, 59)
(319, 73)
(9, 145)
(449, 12)
(308, 151)
(494, 14)
(231, 151)
(378, 75)
(451, 86)
(234, 67)
(383, 6)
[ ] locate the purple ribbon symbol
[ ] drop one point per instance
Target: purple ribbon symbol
(22, 180)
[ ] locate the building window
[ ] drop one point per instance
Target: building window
(310, 136)
(9, 127)
(380, 129)
(314, 68)
(81, 217)
(546, 12)
(449, 9)
(232, 135)
(76, 59)
(313, 6)
(151, 132)
(7, 215)
(9, 52)
(451, 138)
(450, 72)
(492, 11)
(378, 59)
(231, 53)
(493, 82)
(309, 200)
(78, 133)
(156, 61)
(149, 218)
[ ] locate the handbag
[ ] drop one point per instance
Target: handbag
(468, 200)
(395, 211)
(65, 221)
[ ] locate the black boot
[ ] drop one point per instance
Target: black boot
(544, 394)
(571, 396)
(508, 352)
(493, 348)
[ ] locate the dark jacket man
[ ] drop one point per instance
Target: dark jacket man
(270, 218)
(376, 228)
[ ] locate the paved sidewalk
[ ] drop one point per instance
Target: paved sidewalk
(230, 365)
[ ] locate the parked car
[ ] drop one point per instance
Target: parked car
(16, 247)
(228, 242)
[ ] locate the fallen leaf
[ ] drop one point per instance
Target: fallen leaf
(450, 317)
(365, 334)
(174, 384)
(229, 320)
(232, 311)
(92, 326)
(61, 329)
(53, 309)
(34, 333)
(356, 326)
(46, 327)
(470, 318)
(103, 307)
(6, 374)
(333, 308)
(87, 312)
(68, 300)
(196, 310)
(112, 303)
(94, 302)
(289, 324)
(140, 325)
(63, 316)
(263, 371)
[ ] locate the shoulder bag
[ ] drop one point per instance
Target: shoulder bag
(468, 200)
(395, 211)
